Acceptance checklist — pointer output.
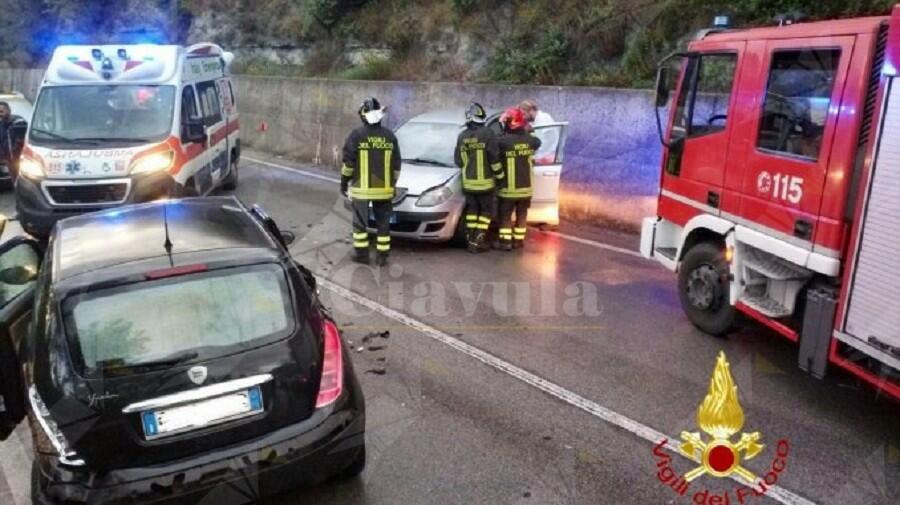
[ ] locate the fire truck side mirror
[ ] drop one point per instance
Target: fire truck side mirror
(662, 86)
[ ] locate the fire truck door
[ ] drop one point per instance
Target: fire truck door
(788, 135)
(697, 154)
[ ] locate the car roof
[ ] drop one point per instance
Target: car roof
(447, 116)
(101, 240)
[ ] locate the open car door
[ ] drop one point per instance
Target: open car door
(20, 260)
(548, 162)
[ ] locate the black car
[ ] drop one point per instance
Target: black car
(175, 352)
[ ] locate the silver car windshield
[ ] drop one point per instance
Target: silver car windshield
(428, 143)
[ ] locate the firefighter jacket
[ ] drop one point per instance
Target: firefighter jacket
(371, 163)
(517, 156)
(10, 144)
(478, 155)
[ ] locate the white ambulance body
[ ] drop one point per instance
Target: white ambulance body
(119, 124)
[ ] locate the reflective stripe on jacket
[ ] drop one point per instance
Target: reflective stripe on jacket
(372, 163)
(478, 155)
(517, 154)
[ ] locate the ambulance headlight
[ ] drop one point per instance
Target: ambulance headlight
(31, 168)
(434, 196)
(155, 162)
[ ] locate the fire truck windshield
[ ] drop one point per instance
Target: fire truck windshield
(102, 114)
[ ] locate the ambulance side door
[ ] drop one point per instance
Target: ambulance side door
(194, 151)
(217, 144)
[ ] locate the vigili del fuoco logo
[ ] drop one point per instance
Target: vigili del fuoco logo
(721, 417)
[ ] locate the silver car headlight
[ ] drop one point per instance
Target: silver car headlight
(67, 456)
(434, 196)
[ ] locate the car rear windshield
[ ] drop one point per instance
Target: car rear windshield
(179, 319)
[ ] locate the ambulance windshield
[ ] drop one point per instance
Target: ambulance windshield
(104, 115)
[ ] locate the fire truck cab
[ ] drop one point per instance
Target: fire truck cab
(780, 187)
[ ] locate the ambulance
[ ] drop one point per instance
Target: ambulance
(120, 124)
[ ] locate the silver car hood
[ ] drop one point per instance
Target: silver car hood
(420, 178)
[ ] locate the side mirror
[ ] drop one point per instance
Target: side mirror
(17, 275)
(662, 86)
(193, 131)
(19, 126)
(288, 237)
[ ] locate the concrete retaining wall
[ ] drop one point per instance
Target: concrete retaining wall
(611, 165)
(611, 168)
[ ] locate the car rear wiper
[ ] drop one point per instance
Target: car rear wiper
(63, 137)
(174, 359)
(426, 161)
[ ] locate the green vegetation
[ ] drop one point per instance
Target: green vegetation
(574, 42)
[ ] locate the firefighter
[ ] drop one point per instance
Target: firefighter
(517, 148)
(12, 139)
(478, 155)
(370, 170)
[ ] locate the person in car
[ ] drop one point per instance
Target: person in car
(517, 148)
(11, 138)
(370, 170)
(478, 155)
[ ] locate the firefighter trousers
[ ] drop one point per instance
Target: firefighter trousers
(382, 210)
(480, 210)
(513, 231)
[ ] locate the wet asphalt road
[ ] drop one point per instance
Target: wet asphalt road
(445, 425)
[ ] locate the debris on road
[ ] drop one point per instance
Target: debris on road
(382, 335)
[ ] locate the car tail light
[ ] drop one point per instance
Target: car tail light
(332, 384)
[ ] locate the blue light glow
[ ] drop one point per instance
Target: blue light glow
(889, 69)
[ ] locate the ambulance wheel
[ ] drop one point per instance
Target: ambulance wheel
(186, 190)
(231, 182)
(703, 288)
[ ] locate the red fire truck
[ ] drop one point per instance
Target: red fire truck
(780, 187)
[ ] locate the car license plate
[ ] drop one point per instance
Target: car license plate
(164, 422)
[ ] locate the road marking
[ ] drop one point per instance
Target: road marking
(307, 173)
(594, 243)
(572, 238)
(645, 432)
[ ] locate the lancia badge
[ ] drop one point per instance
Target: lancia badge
(197, 374)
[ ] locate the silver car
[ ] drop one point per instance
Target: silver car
(429, 203)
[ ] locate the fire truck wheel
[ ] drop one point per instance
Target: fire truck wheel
(703, 288)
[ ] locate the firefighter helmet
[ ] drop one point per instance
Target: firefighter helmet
(476, 113)
(371, 112)
(515, 119)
